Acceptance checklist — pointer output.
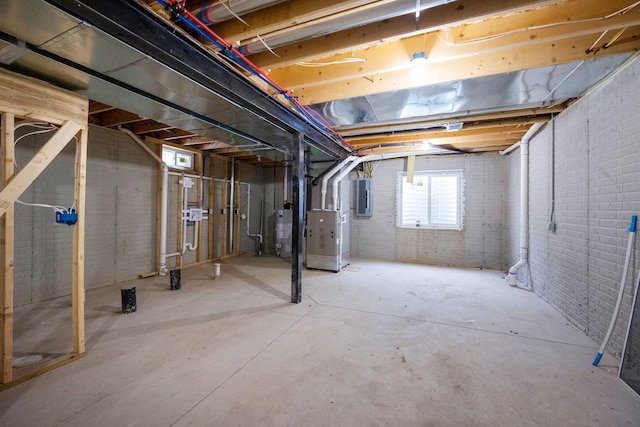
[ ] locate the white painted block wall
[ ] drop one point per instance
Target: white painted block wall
(479, 244)
(578, 268)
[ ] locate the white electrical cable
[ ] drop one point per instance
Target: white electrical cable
(234, 14)
(324, 64)
(46, 128)
(535, 27)
(267, 46)
(42, 205)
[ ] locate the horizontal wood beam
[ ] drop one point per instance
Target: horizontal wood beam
(439, 17)
(562, 16)
(486, 134)
(114, 118)
(23, 179)
(288, 14)
(394, 56)
(142, 128)
(529, 115)
(560, 52)
(96, 107)
(33, 99)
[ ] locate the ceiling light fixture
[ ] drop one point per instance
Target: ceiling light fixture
(419, 58)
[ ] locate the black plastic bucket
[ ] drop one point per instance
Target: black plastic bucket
(175, 279)
(129, 300)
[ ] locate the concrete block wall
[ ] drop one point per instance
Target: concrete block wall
(120, 241)
(120, 216)
(578, 268)
(251, 206)
(480, 242)
(42, 266)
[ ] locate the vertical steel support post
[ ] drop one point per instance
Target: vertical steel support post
(297, 194)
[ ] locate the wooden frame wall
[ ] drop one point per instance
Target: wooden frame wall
(30, 99)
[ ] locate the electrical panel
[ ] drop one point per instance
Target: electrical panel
(363, 197)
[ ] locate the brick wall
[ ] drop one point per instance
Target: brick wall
(578, 268)
(479, 244)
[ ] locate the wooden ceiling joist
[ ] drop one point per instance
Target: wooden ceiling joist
(436, 18)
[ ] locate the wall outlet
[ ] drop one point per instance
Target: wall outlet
(551, 227)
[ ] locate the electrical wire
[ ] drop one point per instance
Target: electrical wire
(535, 27)
(60, 209)
(324, 64)
(198, 26)
(46, 127)
(233, 13)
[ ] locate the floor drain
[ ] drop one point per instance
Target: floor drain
(21, 362)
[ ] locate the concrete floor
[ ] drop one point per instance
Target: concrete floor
(377, 344)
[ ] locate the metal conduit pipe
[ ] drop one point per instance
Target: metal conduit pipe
(164, 202)
(524, 204)
(369, 158)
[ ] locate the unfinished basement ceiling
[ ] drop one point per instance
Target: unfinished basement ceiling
(492, 70)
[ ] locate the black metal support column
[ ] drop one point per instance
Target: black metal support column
(297, 194)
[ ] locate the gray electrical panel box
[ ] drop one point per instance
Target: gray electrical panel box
(363, 197)
(327, 240)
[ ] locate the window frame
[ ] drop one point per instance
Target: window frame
(429, 174)
(176, 152)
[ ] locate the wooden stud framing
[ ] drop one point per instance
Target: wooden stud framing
(200, 188)
(227, 208)
(179, 235)
(6, 244)
(236, 206)
(158, 205)
(21, 181)
(31, 99)
(78, 244)
(212, 213)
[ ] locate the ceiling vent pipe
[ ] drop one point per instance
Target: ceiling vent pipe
(340, 22)
(355, 161)
(216, 11)
(524, 204)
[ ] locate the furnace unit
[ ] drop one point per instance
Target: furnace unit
(327, 240)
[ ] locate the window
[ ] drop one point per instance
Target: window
(176, 158)
(433, 200)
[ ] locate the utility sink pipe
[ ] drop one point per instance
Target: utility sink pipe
(524, 204)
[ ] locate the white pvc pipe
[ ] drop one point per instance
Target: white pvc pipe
(623, 283)
(524, 204)
(325, 179)
(164, 201)
(185, 204)
(369, 158)
(510, 149)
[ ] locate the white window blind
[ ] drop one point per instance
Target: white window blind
(433, 200)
